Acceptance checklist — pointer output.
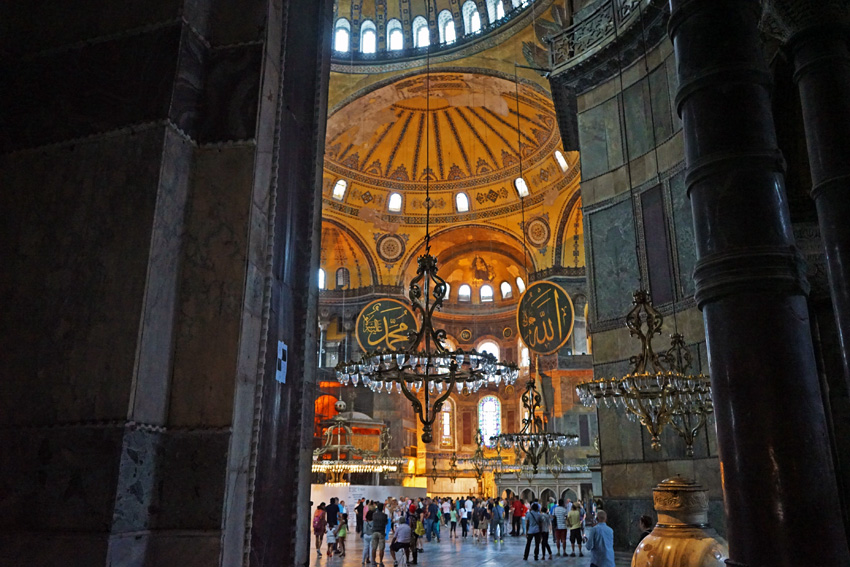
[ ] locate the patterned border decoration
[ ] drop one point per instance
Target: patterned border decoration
(537, 232)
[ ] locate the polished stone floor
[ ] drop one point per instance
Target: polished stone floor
(460, 552)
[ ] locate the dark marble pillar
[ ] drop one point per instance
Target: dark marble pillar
(750, 284)
(822, 72)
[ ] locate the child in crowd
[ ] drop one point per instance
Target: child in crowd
(341, 532)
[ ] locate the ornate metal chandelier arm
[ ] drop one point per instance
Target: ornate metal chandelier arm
(687, 430)
(431, 416)
(414, 401)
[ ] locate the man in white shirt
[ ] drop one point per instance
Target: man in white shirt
(446, 508)
(559, 515)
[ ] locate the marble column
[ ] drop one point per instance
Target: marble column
(816, 34)
(773, 440)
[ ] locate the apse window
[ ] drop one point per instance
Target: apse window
(464, 293)
(486, 293)
(495, 10)
(490, 418)
(562, 161)
(343, 278)
(395, 35)
(342, 35)
(321, 278)
(471, 18)
(394, 203)
(520, 285)
(507, 290)
(462, 202)
(339, 190)
(521, 187)
(446, 25)
(490, 347)
(368, 37)
(421, 33)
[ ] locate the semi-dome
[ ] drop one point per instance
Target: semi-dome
(384, 146)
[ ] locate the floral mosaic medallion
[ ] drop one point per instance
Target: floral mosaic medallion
(390, 247)
(538, 232)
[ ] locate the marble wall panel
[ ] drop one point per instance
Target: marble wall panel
(74, 549)
(231, 94)
(593, 142)
(212, 289)
(189, 78)
(637, 113)
(237, 21)
(78, 233)
(33, 27)
(662, 114)
(614, 265)
(64, 479)
(683, 228)
(138, 482)
(93, 88)
(183, 548)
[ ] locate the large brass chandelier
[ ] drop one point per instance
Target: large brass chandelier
(533, 442)
(479, 462)
(658, 390)
(425, 366)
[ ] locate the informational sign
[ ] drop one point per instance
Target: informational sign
(384, 324)
(545, 317)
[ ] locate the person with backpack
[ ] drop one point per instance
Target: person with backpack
(319, 526)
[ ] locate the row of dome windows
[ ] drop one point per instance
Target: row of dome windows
(419, 27)
(464, 292)
(396, 200)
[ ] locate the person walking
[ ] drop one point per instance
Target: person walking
(600, 542)
(484, 523)
(341, 533)
(431, 520)
(498, 522)
(320, 524)
(453, 522)
(574, 524)
(518, 511)
(532, 531)
(358, 517)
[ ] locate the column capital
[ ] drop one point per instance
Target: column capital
(785, 19)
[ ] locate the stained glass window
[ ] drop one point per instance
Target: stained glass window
(445, 426)
(489, 418)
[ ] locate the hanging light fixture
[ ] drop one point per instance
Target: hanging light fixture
(533, 442)
(425, 367)
(479, 462)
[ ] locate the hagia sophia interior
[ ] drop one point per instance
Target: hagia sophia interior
(217, 213)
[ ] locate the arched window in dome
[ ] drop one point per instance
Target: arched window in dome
(507, 290)
(524, 358)
(495, 10)
(446, 25)
(520, 285)
(339, 189)
(489, 347)
(394, 203)
(342, 35)
(471, 17)
(462, 202)
(395, 36)
(464, 293)
(368, 37)
(321, 278)
(486, 293)
(343, 278)
(521, 187)
(489, 418)
(421, 33)
(562, 161)
(448, 291)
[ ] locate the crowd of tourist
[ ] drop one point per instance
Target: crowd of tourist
(409, 523)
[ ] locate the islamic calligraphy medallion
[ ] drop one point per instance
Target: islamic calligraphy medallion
(545, 317)
(384, 325)
(537, 231)
(390, 248)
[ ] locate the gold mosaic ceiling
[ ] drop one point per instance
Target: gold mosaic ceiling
(464, 139)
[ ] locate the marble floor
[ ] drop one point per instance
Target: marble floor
(460, 552)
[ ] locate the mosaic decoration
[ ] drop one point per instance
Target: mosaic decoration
(507, 332)
(438, 203)
(545, 317)
(537, 232)
(465, 335)
(390, 247)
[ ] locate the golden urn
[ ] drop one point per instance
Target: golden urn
(682, 536)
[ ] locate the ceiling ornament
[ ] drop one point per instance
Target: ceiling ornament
(390, 247)
(538, 232)
(481, 271)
